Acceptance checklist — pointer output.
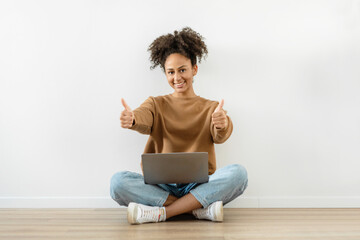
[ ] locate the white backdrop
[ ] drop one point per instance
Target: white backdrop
(289, 72)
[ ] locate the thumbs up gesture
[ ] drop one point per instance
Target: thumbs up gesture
(127, 116)
(219, 118)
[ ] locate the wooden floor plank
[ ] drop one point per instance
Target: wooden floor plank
(250, 224)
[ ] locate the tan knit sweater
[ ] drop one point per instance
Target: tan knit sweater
(180, 125)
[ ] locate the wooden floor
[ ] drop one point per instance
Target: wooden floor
(247, 224)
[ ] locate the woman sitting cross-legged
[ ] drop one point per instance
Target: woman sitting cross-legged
(179, 122)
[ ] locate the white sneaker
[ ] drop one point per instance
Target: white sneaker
(213, 212)
(138, 213)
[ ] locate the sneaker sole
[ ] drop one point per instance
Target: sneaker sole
(219, 213)
(132, 213)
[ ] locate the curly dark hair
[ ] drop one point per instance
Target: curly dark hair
(187, 42)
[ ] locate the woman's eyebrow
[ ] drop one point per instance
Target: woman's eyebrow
(178, 67)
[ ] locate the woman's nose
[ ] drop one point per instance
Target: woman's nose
(177, 77)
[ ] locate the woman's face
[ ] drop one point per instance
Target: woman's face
(179, 73)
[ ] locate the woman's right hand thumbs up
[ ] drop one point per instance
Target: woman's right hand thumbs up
(127, 116)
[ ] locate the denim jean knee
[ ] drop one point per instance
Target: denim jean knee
(118, 185)
(239, 173)
(225, 185)
(126, 187)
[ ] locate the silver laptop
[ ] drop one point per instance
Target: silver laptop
(175, 167)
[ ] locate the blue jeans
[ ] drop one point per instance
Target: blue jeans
(225, 184)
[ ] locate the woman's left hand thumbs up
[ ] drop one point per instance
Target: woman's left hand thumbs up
(219, 118)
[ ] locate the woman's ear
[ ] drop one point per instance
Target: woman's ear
(195, 69)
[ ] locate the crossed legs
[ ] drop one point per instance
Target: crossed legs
(175, 206)
(224, 185)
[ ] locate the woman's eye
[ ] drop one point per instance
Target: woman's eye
(170, 72)
(182, 70)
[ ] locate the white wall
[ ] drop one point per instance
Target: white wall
(288, 71)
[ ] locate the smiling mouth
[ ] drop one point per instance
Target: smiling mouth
(179, 85)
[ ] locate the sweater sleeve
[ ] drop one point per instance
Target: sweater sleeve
(144, 117)
(221, 135)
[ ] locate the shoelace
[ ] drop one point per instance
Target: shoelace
(204, 213)
(153, 214)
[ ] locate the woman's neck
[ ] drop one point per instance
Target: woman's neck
(186, 94)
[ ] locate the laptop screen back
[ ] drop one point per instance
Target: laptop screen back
(178, 168)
